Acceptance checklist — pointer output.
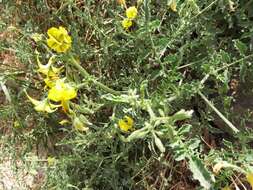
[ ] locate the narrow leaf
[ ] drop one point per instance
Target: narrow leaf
(240, 46)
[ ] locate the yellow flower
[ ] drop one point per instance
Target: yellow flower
(226, 188)
(16, 125)
(249, 177)
(62, 91)
(48, 69)
(126, 123)
(173, 5)
(50, 81)
(43, 105)
(127, 23)
(64, 122)
(131, 12)
(51, 161)
(59, 40)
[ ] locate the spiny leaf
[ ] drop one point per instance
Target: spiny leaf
(200, 173)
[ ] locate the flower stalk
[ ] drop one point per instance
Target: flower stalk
(86, 75)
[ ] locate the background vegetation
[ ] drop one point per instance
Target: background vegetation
(197, 58)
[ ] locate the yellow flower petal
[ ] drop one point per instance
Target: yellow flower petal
(48, 69)
(51, 161)
(131, 12)
(55, 94)
(65, 106)
(226, 188)
(173, 5)
(63, 31)
(126, 123)
(249, 177)
(59, 40)
(127, 23)
(62, 91)
(63, 122)
(53, 32)
(43, 105)
(50, 81)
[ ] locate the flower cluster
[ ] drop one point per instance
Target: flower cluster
(131, 14)
(59, 91)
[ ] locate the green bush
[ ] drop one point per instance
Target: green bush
(183, 74)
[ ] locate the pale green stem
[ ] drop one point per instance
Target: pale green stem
(151, 113)
(218, 113)
(86, 75)
(235, 62)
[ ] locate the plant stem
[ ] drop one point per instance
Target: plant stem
(218, 113)
(235, 62)
(85, 74)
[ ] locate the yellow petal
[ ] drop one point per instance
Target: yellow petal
(52, 32)
(16, 125)
(54, 71)
(67, 39)
(249, 177)
(63, 31)
(55, 94)
(126, 123)
(62, 91)
(173, 5)
(127, 23)
(34, 102)
(43, 105)
(51, 161)
(131, 12)
(59, 40)
(226, 188)
(48, 69)
(53, 43)
(69, 92)
(50, 81)
(65, 106)
(63, 122)
(130, 121)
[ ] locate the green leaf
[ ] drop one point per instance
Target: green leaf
(193, 143)
(243, 71)
(184, 129)
(182, 115)
(180, 155)
(240, 46)
(200, 173)
(159, 143)
(154, 25)
(138, 134)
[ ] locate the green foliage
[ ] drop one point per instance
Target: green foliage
(184, 77)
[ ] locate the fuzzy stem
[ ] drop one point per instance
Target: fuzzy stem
(218, 113)
(85, 74)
